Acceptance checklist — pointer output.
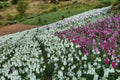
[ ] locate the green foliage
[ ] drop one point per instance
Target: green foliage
(53, 9)
(21, 8)
(4, 4)
(56, 15)
(116, 7)
(14, 1)
(39, 20)
(107, 2)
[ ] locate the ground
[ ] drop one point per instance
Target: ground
(15, 28)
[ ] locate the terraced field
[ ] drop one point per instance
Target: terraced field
(62, 51)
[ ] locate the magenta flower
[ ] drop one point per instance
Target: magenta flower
(118, 31)
(105, 45)
(103, 34)
(107, 32)
(85, 51)
(114, 65)
(107, 60)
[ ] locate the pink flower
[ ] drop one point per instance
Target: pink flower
(85, 51)
(105, 45)
(109, 52)
(97, 50)
(114, 65)
(107, 60)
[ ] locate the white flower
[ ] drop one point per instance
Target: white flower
(73, 67)
(74, 78)
(111, 70)
(85, 66)
(77, 46)
(79, 73)
(118, 78)
(15, 72)
(96, 77)
(2, 78)
(95, 63)
(80, 53)
(62, 68)
(48, 55)
(84, 57)
(64, 62)
(60, 74)
(55, 59)
(32, 77)
(99, 59)
(98, 66)
(89, 65)
(106, 72)
(91, 71)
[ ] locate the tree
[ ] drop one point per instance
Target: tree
(21, 8)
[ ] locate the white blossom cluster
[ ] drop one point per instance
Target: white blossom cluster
(37, 53)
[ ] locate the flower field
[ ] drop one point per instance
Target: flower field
(82, 47)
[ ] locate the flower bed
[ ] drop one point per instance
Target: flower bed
(38, 54)
(99, 40)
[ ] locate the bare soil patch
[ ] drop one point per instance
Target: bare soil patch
(15, 28)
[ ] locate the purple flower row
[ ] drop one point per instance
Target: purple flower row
(102, 35)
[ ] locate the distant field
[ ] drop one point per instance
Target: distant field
(67, 11)
(41, 13)
(53, 16)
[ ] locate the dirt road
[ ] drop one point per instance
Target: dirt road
(15, 28)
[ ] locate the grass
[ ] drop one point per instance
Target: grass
(51, 17)
(67, 11)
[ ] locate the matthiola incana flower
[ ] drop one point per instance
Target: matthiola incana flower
(114, 65)
(105, 45)
(60, 52)
(107, 60)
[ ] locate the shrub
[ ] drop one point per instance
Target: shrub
(10, 17)
(14, 1)
(21, 8)
(107, 2)
(39, 19)
(53, 9)
(68, 12)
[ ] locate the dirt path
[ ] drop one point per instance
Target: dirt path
(15, 28)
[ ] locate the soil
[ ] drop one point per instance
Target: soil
(15, 28)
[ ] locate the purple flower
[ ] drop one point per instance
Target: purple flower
(118, 31)
(105, 45)
(85, 51)
(114, 65)
(107, 60)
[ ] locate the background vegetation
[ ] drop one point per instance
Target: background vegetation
(41, 12)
